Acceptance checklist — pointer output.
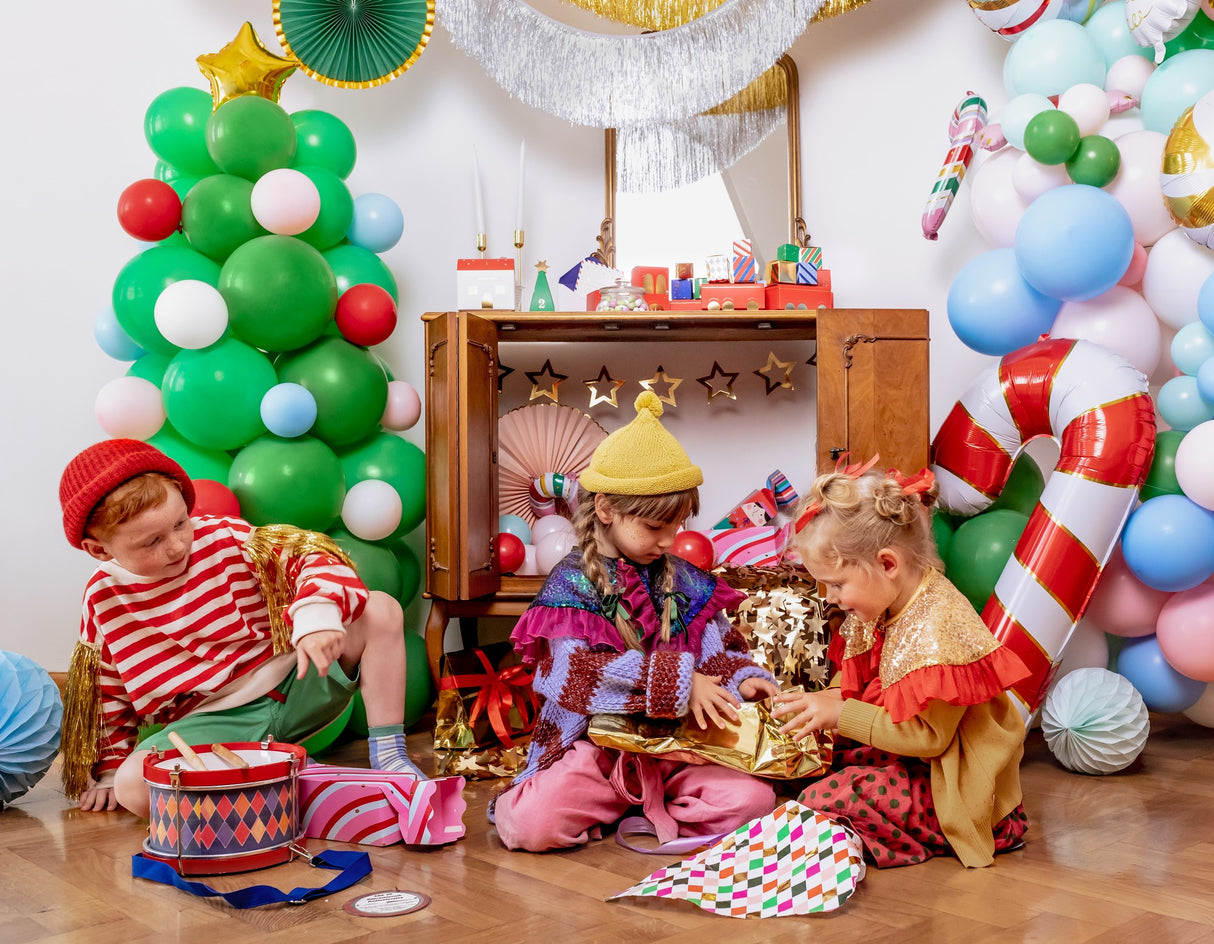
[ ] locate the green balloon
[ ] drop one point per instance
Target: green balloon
(348, 385)
(198, 462)
(1161, 477)
(250, 135)
(942, 532)
(288, 481)
(1023, 487)
(142, 280)
(175, 126)
(213, 395)
(398, 462)
(982, 546)
(325, 738)
(150, 367)
(1051, 136)
(183, 185)
(1095, 162)
(376, 565)
(323, 140)
(353, 265)
(336, 209)
(217, 216)
(280, 293)
(410, 572)
(1199, 34)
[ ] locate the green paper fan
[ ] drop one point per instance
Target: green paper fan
(354, 43)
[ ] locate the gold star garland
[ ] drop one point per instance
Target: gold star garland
(715, 391)
(245, 67)
(774, 363)
(604, 378)
(550, 392)
(672, 384)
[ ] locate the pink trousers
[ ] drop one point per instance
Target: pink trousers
(591, 786)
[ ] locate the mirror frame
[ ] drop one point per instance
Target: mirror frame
(797, 233)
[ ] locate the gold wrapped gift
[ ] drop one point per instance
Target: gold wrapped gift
(753, 744)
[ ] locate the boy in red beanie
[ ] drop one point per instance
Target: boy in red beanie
(218, 630)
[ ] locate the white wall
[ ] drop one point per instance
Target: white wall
(877, 87)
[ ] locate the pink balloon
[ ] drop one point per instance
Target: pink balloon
(995, 204)
(1120, 320)
(404, 406)
(129, 408)
(551, 548)
(1185, 631)
(285, 201)
(1121, 604)
(1137, 187)
(1138, 265)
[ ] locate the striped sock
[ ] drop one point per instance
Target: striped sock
(387, 748)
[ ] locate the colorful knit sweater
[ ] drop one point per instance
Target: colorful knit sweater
(583, 666)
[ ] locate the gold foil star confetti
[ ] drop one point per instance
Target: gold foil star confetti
(245, 67)
(768, 371)
(550, 391)
(672, 384)
(717, 390)
(604, 379)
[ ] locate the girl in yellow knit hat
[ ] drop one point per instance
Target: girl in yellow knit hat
(621, 626)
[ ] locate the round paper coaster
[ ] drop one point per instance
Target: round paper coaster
(386, 904)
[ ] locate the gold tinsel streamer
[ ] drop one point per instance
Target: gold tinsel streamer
(81, 719)
(659, 15)
(267, 547)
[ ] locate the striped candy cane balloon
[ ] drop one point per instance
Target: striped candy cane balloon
(1010, 18)
(969, 118)
(547, 488)
(1095, 403)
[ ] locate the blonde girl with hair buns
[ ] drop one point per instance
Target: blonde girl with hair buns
(623, 627)
(928, 744)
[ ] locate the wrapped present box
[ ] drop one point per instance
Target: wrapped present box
(780, 271)
(684, 270)
(718, 269)
(783, 296)
(655, 280)
(745, 295)
(484, 698)
(788, 252)
(682, 289)
(812, 255)
(744, 268)
(686, 304)
(484, 283)
(807, 273)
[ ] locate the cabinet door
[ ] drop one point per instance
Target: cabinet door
(478, 450)
(442, 456)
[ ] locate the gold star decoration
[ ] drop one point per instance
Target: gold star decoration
(245, 67)
(604, 378)
(774, 363)
(672, 384)
(542, 265)
(713, 391)
(550, 392)
(502, 373)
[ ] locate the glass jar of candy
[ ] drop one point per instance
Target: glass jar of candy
(621, 297)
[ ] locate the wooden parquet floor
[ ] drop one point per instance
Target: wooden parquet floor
(1126, 858)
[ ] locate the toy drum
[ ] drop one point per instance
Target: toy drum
(228, 817)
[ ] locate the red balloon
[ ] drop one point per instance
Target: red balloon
(510, 553)
(150, 210)
(695, 548)
(366, 314)
(214, 498)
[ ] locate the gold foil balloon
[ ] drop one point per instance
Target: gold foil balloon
(1187, 177)
(245, 67)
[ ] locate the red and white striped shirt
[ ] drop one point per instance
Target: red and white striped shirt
(167, 645)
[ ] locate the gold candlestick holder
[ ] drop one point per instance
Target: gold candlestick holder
(482, 243)
(518, 270)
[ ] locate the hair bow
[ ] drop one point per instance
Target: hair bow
(915, 484)
(855, 470)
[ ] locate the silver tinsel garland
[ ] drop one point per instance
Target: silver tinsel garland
(608, 81)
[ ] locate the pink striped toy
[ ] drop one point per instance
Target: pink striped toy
(969, 118)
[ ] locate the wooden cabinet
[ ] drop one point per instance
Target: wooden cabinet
(872, 396)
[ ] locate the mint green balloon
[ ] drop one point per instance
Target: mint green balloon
(353, 264)
(250, 135)
(288, 481)
(140, 283)
(198, 462)
(347, 383)
(323, 140)
(1110, 31)
(336, 209)
(217, 216)
(213, 395)
(1174, 86)
(280, 293)
(175, 126)
(398, 462)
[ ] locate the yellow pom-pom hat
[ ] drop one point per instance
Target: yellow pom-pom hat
(641, 458)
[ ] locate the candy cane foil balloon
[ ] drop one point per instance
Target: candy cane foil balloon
(550, 486)
(1095, 403)
(1010, 18)
(969, 118)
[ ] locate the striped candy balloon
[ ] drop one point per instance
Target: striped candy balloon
(969, 118)
(547, 488)
(1095, 403)
(1187, 175)
(1010, 18)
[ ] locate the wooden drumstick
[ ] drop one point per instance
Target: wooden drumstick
(229, 756)
(188, 754)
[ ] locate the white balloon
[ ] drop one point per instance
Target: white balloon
(129, 408)
(552, 548)
(1194, 462)
(1137, 187)
(1031, 178)
(372, 509)
(1177, 267)
(994, 203)
(191, 314)
(1129, 74)
(285, 201)
(529, 566)
(1087, 104)
(1202, 710)
(1120, 320)
(547, 525)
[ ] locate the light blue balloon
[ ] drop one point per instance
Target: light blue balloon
(1192, 347)
(1052, 56)
(1078, 11)
(1168, 543)
(288, 410)
(1111, 34)
(993, 309)
(1074, 242)
(1175, 85)
(1162, 688)
(377, 224)
(513, 524)
(1018, 113)
(1205, 380)
(1205, 303)
(112, 339)
(1181, 404)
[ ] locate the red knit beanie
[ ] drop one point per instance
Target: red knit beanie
(100, 469)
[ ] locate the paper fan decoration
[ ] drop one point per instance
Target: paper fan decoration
(30, 713)
(537, 439)
(354, 45)
(1094, 721)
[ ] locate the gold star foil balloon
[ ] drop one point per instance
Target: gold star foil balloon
(245, 67)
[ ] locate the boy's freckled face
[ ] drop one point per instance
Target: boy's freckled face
(154, 544)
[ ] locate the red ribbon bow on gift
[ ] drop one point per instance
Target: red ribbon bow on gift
(855, 470)
(496, 697)
(915, 484)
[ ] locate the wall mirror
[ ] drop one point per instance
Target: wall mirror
(759, 196)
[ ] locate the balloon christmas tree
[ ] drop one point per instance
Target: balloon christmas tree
(250, 320)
